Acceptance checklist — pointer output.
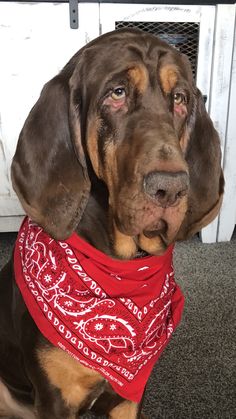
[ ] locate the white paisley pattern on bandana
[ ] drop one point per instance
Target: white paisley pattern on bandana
(112, 316)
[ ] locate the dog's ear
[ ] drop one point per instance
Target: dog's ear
(49, 171)
(203, 156)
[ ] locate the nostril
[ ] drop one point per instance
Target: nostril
(160, 194)
(182, 193)
(166, 188)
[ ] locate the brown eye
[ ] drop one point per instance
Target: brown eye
(118, 93)
(180, 98)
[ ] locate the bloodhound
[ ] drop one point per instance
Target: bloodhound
(119, 152)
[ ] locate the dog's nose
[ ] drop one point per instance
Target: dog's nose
(166, 188)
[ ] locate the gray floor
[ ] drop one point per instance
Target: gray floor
(195, 377)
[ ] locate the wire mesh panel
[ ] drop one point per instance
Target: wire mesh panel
(182, 35)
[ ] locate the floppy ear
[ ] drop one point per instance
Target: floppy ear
(203, 156)
(48, 170)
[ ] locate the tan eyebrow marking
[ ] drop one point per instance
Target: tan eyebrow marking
(169, 77)
(139, 77)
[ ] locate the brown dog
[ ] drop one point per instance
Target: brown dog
(120, 150)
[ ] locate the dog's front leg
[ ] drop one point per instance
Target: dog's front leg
(71, 384)
(126, 409)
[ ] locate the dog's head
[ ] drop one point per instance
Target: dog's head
(124, 110)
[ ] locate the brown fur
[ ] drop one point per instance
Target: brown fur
(107, 152)
(93, 129)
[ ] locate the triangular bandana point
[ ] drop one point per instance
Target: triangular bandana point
(114, 317)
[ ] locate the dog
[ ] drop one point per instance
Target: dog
(117, 161)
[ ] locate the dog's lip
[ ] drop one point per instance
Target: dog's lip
(159, 229)
(151, 234)
(141, 254)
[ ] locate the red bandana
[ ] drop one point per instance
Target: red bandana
(113, 316)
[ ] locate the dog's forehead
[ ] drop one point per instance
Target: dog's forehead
(127, 45)
(118, 51)
(113, 55)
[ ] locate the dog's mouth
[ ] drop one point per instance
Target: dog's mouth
(149, 235)
(141, 254)
(151, 243)
(158, 235)
(160, 229)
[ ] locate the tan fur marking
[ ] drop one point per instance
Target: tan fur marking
(169, 77)
(67, 374)
(125, 410)
(124, 245)
(184, 140)
(111, 170)
(92, 144)
(110, 173)
(139, 77)
(152, 246)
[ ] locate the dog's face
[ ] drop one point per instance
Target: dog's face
(128, 105)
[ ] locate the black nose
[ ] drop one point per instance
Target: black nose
(165, 187)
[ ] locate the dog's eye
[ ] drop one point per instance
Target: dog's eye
(180, 98)
(118, 93)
